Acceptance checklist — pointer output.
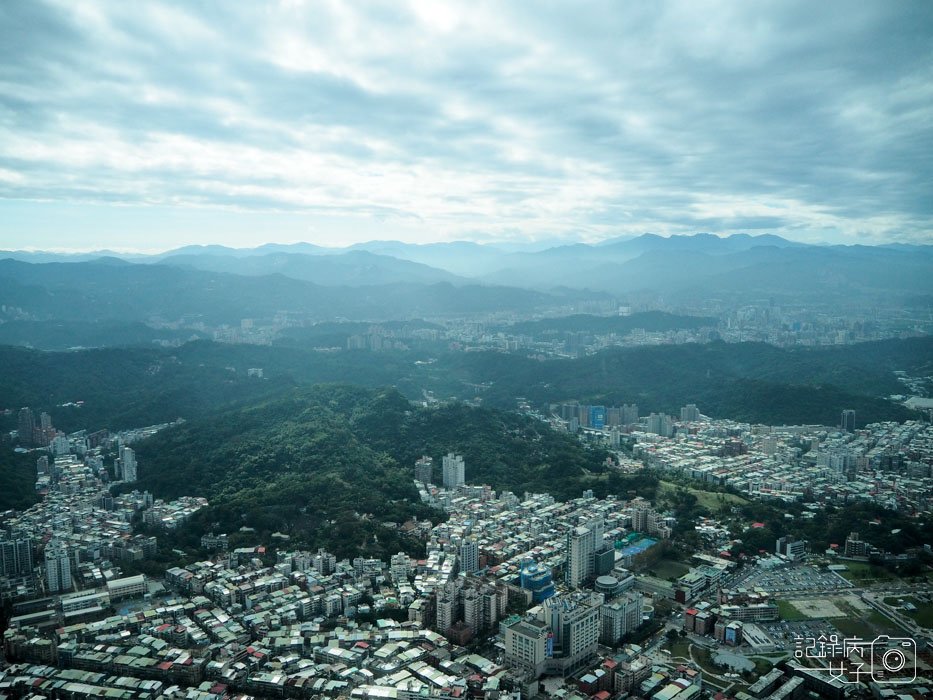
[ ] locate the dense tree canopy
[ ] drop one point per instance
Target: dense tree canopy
(329, 464)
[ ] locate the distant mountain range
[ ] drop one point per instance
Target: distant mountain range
(392, 280)
(355, 268)
(110, 289)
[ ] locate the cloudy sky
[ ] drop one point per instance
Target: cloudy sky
(150, 125)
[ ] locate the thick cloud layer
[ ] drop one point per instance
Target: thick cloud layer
(335, 122)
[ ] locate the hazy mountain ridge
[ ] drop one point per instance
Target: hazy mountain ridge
(380, 279)
(351, 268)
(98, 290)
(701, 264)
(790, 270)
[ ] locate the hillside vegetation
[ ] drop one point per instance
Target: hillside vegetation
(328, 465)
(130, 387)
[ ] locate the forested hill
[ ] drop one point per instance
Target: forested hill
(752, 382)
(326, 465)
(130, 387)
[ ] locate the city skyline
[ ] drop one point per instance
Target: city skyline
(159, 125)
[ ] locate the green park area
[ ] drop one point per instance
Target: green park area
(850, 615)
(863, 572)
(919, 611)
(863, 623)
(680, 649)
(666, 569)
(787, 611)
(711, 500)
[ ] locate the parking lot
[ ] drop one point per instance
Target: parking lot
(795, 579)
(785, 634)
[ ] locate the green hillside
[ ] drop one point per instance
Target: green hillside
(327, 465)
(134, 386)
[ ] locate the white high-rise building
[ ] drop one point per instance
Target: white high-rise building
(57, 566)
(454, 471)
(574, 620)
(526, 645)
(689, 413)
(128, 460)
(481, 607)
(618, 617)
(60, 445)
(659, 424)
(399, 566)
(581, 546)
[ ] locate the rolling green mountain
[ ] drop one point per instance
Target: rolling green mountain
(328, 464)
(747, 381)
(121, 388)
(129, 387)
(64, 334)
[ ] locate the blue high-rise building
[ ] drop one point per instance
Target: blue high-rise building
(537, 579)
(598, 417)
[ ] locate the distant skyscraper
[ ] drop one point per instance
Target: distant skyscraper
(424, 470)
(44, 431)
(57, 566)
(574, 622)
(60, 445)
(15, 555)
(629, 414)
(128, 461)
(454, 471)
(42, 465)
(689, 413)
(640, 518)
(613, 416)
(597, 417)
(848, 420)
(26, 427)
(659, 424)
(469, 556)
